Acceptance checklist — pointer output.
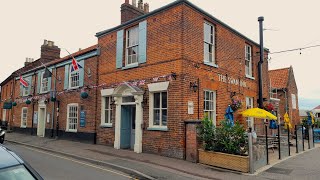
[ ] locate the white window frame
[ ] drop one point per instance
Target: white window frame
(161, 109)
(71, 74)
(294, 101)
(248, 59)
(249, 105)
(157, 88)
(211, 44)
(68, 117)
(129, 46)
(24, 119)
(44, 81)
(104, 109)
(212, 108)
(25, 91)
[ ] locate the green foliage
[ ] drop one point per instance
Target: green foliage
(231, 139)
(206, 133)
(224, 138)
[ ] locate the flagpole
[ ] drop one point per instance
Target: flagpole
(88, 75)
(75, 58)
(49, 71)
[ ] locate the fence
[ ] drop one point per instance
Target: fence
(272, 144)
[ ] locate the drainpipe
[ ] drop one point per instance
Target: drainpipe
(198, 99)
(33, 94)
(54, 104)
(12, 96)
(260, 19)
(57, 125)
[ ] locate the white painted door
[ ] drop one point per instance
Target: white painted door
(41, 122)
(4, 115)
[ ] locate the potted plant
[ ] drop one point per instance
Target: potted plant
(235, 104)
(224, 146)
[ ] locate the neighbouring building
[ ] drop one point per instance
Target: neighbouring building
(284, 92)
(169, 66)
(143, 82)
(303, 114)
(316, 112)
(53, 106)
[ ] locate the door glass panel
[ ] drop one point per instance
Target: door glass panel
(164, 100)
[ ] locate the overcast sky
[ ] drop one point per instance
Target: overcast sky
(72, 24)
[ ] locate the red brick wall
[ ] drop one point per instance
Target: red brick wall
(175, 44)
(89, 105)
(6, 91)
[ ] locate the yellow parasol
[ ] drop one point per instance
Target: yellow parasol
(287, 121)
(258, 113)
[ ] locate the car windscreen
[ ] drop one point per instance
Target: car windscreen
(16, 173)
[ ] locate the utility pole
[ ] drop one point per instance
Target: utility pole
(261, 19)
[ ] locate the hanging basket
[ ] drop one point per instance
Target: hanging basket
(53, 99)
(84, 95)
(28, 102)
(14, 104)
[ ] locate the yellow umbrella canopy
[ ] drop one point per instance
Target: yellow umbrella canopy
(258, 113)
(287, 121)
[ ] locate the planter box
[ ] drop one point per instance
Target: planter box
(223, 160)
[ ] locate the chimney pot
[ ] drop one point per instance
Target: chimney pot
(140, 4)
(146, 7)
(45, 42)
(126, 2)
(134, 3)
(50, 43)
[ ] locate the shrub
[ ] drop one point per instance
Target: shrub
(206, 133)
(224, 138)
(231, 139)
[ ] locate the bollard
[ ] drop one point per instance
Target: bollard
(251, 165)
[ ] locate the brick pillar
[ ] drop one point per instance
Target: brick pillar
(192, 141)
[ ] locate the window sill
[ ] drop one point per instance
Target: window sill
(250, 77)
(211, 64)
(157, 129)
(44, 92)
(72, 88)
(71, 131)
(24, 127)
(106, 125)
(130, 66)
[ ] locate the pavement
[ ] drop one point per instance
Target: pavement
(141, 166)
(151, 166)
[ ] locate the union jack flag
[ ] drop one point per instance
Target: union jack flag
(75, 65)
(23, 82)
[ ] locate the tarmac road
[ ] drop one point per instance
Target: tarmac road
(51, 166)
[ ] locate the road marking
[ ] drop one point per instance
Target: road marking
(79, 162)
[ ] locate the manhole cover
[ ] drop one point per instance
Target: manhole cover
(279, 171)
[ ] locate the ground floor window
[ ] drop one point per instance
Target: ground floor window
(106, 110)
(72, 121)
(249, 105)
(24, 115)
(160, 109)
(209, 105)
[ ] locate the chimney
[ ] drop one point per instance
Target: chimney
(134, 3)
(131, 11)
(49, 51)
(146, 8)
(28, 61)
(140, 4)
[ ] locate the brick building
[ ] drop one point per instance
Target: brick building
(52, 106)
(148, 77)
(284, 92)
(178, 63)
